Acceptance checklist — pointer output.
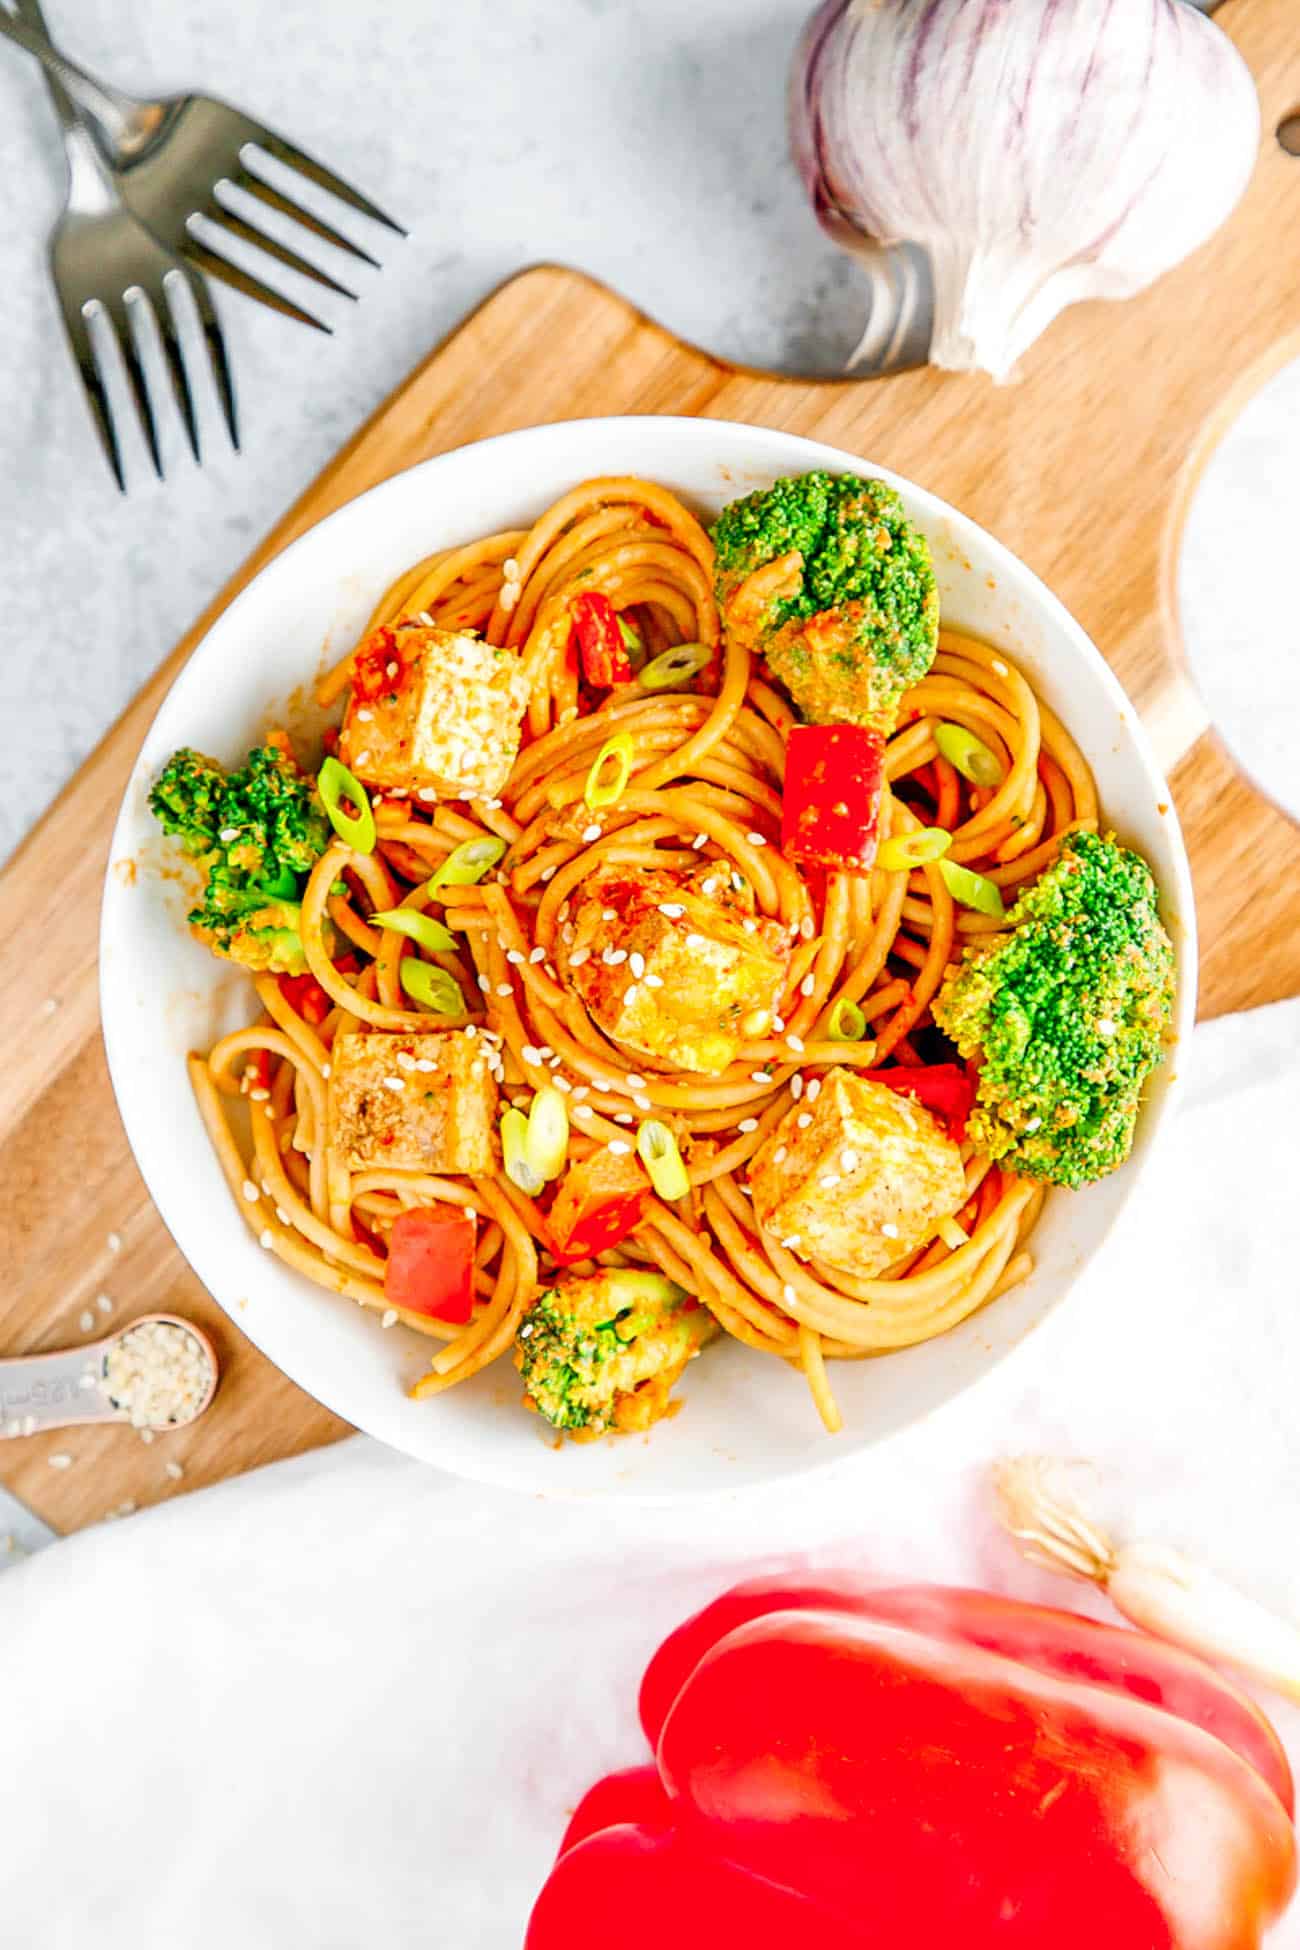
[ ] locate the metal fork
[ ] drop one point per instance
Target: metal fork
(105, 262)
(172, 156)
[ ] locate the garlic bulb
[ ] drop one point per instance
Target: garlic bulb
(1040, 151)
(1157, 1588)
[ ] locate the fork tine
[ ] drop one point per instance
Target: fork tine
(83, 352)
(239, 227)
(166, 323)
(285, 152)
(255, 185)
(216, 344)
(119, 318)
(221, 267)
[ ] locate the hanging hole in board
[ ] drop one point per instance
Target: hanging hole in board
(1288, 134)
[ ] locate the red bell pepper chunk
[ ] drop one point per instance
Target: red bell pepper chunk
(945, 1088)
(834, 775)
(599, 1203)
(378, 667)
(1053, 1641)
(951, 1795)
(605, 661)
(306, 998)
(650, 1889)
(430, 1266)
(635, 1795)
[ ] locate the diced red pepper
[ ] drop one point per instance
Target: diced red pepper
(599, 1203)
(605, 660)
(306, 998)
(431, 1262)
(944, 1088)
(834, 775)
(378, 666)
(257, 1071)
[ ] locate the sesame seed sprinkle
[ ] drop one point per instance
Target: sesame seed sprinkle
(389, 1317)
(114, 1240)
(756, 839)
(808, 984)
(266, 1240)
(86, 1322)
(747, 1124)
(642, 1103)
(671, 910)
(803, 1120)
(781, 1153)
(848, 1160)
(695, 941)
(175, 1470)
(654, 981)
(396, 1084)
(889, 1230)
(636, 962)
(578, 956)
(591, 833)
(505, 988)
(796, 1044)
(762, 1076)
(537, 954)
(405, 1060)
(620, 1147)
(514, 957)
(700, 840)
(61, 1461)
(796, 1088)
(814, 1089)
(629, 995)
(788, 1295)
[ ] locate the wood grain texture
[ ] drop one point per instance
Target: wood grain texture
(1083, 468)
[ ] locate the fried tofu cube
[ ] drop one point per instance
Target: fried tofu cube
(410, 1103)
(858, 1178)
(675, 965)
(432, 711)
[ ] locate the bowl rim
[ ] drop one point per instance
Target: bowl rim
(1038, 598)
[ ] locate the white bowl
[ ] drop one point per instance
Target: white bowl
(746, 1418)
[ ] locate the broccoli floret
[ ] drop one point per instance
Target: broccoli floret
(853, 620)
(603, 1352)
(256, 833)
(1068, 1015)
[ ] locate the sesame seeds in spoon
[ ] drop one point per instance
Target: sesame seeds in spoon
(156, 1374)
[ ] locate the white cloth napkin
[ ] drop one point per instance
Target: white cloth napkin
(348, 1701)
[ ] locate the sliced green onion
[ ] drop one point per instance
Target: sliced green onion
(467, 863)
(423, 928)
(433, 987)
(972, 889)
(969, 754)
(609, 775)
(846, 1023)
(548, 1134)
(657, 1149)
(335, 784)
(906, 850)
(674, 666)
(633, 642)
(514, 1150)
(952, 1235)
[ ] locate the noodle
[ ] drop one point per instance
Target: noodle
(706, 781)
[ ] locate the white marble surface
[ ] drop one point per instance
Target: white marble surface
(641, 139)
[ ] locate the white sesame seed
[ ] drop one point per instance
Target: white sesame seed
(616, 956)
(505, 988)
(756, 839)
(700, 840)
(791, 1242)
(485, 983)
(788, 1295)
(547, 873)
(50, 1005)
(889, 1230)
(642, 1103)
(256, 1096)
(1000, 668)
(389, 1317)
(1033, 1123)
(583, 1110)
(285, 1218)
(227, 834)
(762, 1076)
(470, 1031)
(1105, 1027)
(530, 1055)
(848, 1160)
(265, 1240)
(808, 984)
(795, 1043)
(103, 1302)
(146, 1435)
(425, 1064)
(363, 758)
(636, 962)
(86, 1322)
(578, 956)
(537, 954)
(781, 1153)
(796, 1087)
(624, 1117)
(515, 958)
(778, 1024)
(175, 1470)
(635, 1083)
(405, 1060)
(629, 995)
(814, 1089)
(803, 1120)
(695, 941)
(654, 981)
(396, 1084)
(365, 717)
(390, 669)
(620, 1147)
(747, 1124)
(829, 1180)
(806, 928)
(114, 1240)
(61, 1461)
(591, 833)
(554, 1060)
(671, 910)
(427, 793)
(324, 1069)
(562, 1084)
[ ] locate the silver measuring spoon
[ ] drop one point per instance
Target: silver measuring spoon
(67, 1388)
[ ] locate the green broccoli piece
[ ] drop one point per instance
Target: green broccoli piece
(1068, 1015)
(855, 621)
(256, 833)
(602, 1352)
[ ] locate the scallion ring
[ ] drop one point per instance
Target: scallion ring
(335, 784)
(969, 754)
(433, 987)
(548, 1134)
(657, 1149)
(423, 928)
(846, 1022)
(608, 777)
(674, 666)
(903, 851)
(467, 863)
(972, 889)
(514, 1151)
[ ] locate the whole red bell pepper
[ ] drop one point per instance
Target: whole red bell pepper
(605, 661)
(929, 1767)
(830, 807)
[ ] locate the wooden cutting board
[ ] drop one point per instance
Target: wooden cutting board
(1084, 469)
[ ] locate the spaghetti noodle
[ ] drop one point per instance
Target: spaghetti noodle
(705, 785)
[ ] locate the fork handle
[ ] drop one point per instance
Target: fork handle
(126, 123)
(64, 106)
